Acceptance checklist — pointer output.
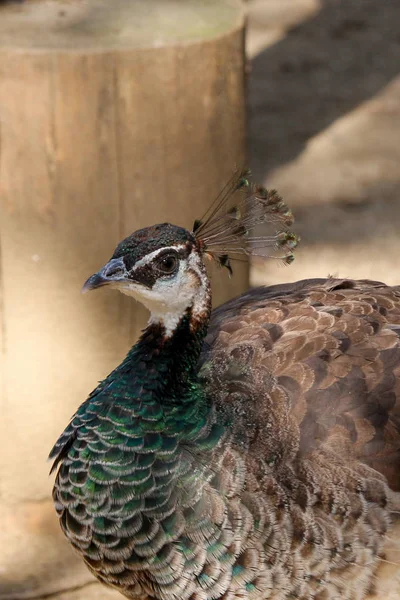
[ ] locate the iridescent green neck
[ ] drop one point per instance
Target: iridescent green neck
(165, 368)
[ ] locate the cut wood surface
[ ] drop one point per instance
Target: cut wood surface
(113, 116)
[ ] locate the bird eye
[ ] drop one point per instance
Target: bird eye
(167, 264)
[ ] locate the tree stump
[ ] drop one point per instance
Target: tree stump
(113, 116)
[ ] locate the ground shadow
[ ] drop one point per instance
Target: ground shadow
(321, 70)
(344, 223)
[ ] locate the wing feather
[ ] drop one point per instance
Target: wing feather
(312, 366)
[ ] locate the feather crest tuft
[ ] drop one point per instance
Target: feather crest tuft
(226, 230)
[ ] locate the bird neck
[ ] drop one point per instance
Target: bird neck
(164, 362)
(173, 357)
(169, 348)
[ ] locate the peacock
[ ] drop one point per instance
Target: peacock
(251, 452)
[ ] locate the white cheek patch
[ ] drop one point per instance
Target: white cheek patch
(170, 297)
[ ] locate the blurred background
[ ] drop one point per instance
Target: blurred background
(324, 125)
(117, 115)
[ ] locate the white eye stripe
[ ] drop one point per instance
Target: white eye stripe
(150, 257)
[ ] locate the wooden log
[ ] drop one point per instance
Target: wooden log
(113, 116)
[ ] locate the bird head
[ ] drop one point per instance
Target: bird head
(162, 267)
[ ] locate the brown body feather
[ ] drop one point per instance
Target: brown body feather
(309, 374)
(331, 350)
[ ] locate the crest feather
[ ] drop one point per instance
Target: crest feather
(226, 230)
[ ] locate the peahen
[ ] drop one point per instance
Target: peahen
(248, 453)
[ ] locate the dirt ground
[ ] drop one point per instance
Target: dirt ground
(324, 129)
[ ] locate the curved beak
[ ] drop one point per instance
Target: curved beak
(113, 272)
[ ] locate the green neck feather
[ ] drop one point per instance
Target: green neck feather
(168, 365)
(155, 390)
